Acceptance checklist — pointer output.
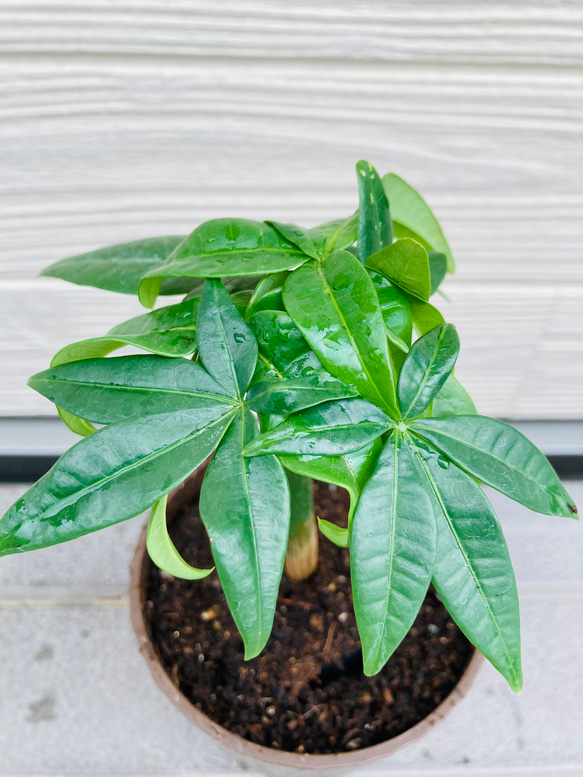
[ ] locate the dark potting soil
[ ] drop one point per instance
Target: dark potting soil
(306, 692)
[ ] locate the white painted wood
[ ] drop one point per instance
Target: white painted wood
(124, 118)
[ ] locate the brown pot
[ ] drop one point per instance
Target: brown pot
(248, 754)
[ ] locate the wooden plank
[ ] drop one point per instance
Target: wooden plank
(521, 345)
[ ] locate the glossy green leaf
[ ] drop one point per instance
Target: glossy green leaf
(226, 344)
(350, 471)
(168, 331)
(473, 573)
(437, 269)
(500, 456)
(232, 285)
(244, 504)
(335, 306)
(331, 429)
(115, 474)
(323, 239)
(120, 267)
(452, 399)
(224, 248)
(428, 365)
(425, 316)
(77, 425)
(395, 308)
(392, 552)
(162, 551)
(282, 347)
(405, 263)
(295, 394)
(375, 230)
(267, 294)
(412, 217)
(108, 390)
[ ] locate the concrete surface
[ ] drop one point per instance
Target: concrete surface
(76, 699)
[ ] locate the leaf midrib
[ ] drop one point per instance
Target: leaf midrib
(426, 375)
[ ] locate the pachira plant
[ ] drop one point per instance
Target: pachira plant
(295, 354)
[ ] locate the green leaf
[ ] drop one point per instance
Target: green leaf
(428, 365)
(120, 267)
(320, 240)
(395, 308)
(405, 263)
(226, 343)
(267, 294)
(473, 573)
(162, 551)
(331, 429)
(437, 269)
(224, 248)
(452, 399)
(392, 552)
(425, 316)
(168, 331)
(282, 346)
(244, 504)
(295, 394)
(350, 471)
(412, 217)
(108, 390)
(77, 425)
(375, 230)
(500, 456)
(115, 474)
(335, 306)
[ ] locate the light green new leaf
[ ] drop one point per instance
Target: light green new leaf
(452, 399)
(295, 394)
(425, 316)
(428, 365)
(412, 217)
(331, 429)
(224, 248)
(437, 269)
(323, 239)
(226, 343)
(350, 471)
(108, 390)
(406, 263)
(77, 425)
(162, 551)
(335, 306)
(375, 230)
(392, 552)
(120, 267)
(473, 573)
(245, 506)
(395, 308)
(500, 456)
(114, 474)
(169, 331)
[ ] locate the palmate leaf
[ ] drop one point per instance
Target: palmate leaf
(412, 217)
(323, 239)
(473, 573)
(244, 504)
(168, 331)
(335, 306)
(375, 229)
(120, 267)
(395, 308)
(452, 399)
(405, 263)
(295, 394)
(162, 551)
(112, 475)
(224, 248)
(500, 456)
(108, 390)
(428, 365)
(392, 552)
(226, 344)
(282, 347)
(331, 429)
(350, 471)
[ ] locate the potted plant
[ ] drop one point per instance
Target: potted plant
(292, 357)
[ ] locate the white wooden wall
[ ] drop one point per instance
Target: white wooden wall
(122, 119)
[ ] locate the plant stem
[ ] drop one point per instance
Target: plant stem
(302, 549)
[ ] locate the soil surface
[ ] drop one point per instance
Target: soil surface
(306, 692)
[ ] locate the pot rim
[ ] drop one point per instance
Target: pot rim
(234, 742)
